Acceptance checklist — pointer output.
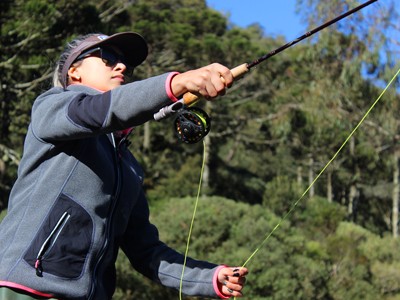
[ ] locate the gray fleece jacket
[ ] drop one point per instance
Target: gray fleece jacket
(79, 198)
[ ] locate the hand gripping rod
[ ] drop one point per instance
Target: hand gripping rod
(241, 70)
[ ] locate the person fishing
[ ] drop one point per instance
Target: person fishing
(79, 195)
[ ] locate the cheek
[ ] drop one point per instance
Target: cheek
(93, 68)
(94, 74)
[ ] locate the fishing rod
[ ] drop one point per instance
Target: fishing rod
(193, 124)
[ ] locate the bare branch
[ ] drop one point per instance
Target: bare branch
(114, 10)
(33, 84)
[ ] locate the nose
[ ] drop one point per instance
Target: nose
(120, 66)
(124, 68)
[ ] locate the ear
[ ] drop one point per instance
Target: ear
(73, 74)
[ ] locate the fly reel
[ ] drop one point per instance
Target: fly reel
(191, 125)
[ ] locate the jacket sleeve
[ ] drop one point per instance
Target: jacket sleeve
(157, 261)
(81, 111)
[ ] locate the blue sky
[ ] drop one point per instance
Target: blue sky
(277, 17)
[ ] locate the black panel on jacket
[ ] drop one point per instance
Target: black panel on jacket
(90, 111)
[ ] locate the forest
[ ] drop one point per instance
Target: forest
(302, 162)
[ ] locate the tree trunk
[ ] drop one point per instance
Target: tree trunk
(352, 196)
(146, 136)
(311, 176)
(207, 146)
(329, 186)
(395, 196)
(299, 176)
(206, 172)
(353, 193)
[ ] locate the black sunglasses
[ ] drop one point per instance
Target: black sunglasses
(109, 57)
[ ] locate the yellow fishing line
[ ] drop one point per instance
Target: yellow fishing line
(320, 173)
(202, 119)
(293, 206)
(193, 217)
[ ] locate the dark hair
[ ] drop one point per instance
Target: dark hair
(68, 49)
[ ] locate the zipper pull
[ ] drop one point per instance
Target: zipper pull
(38, 267)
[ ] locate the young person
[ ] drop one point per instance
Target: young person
(78, 197)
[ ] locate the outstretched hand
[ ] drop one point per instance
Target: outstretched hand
(209, 81)
(231, 281)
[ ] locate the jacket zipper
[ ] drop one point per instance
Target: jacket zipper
(49, 242)
(113, 205)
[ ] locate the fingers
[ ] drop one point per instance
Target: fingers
(234, 289)
(232, 280)
(232, 273)
(209, 81)
(231, 292)
(217, 80)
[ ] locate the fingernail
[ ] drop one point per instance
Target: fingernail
(236, 275)
(229, 290)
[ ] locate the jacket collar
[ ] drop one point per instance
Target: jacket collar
(83, 88)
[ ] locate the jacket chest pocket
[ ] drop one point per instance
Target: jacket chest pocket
(63, 241)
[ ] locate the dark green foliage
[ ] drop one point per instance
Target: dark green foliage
(298, 261)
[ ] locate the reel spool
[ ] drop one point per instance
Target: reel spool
(192, 125)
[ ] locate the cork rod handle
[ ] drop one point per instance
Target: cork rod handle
(237, 72)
